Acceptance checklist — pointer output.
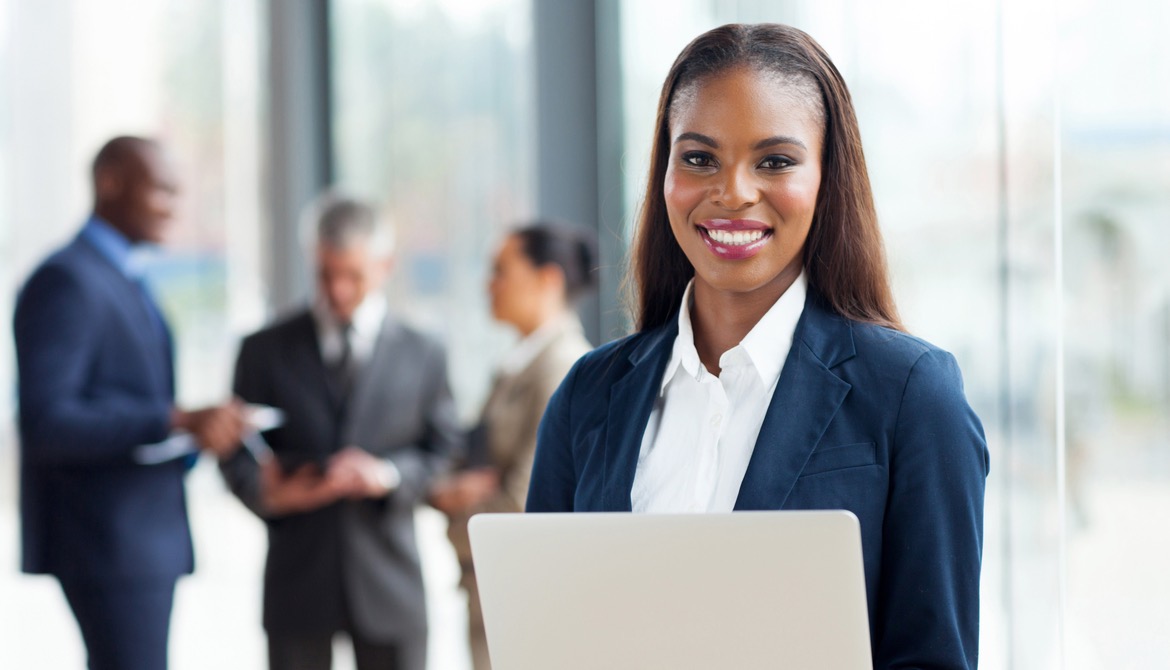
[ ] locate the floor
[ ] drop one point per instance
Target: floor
(217, 610)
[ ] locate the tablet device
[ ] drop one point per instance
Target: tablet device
(678, 592)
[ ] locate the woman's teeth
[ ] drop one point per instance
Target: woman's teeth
(737, 238)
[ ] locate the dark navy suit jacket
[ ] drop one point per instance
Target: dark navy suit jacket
(95, 381)
(863, 418)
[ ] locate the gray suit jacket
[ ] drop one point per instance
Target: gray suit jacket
(353, 563)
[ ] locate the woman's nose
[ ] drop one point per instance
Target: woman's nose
(736, 189)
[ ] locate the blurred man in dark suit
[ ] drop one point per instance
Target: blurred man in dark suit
(97, 384)
(369, 423)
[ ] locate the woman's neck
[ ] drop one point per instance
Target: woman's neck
(721, 319)
(544, 314)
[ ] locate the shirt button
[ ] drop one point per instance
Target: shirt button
(716, 419)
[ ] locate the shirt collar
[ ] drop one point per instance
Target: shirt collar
(684, 356)
(768, 342)
(521, 355)
(367, 318)
(112, 245)
(776, 327)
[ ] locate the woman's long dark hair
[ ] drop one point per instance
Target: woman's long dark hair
(844, 259)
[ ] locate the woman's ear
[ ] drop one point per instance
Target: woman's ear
(552, 276)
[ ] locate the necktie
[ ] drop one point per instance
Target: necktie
(341, 372)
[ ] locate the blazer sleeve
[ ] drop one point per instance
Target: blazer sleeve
(553, 485)
(419, 464)
(928, 612)
(63, 422)
(240, 470)
(516, 476)
(515, 482)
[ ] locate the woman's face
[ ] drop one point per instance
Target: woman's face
(742, 180)
(516, 286)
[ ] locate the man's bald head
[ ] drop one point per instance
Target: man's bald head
(134, 187)
(118, 152)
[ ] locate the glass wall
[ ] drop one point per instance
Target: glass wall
(72, 75)
(1020, 157)
(434, 119)
(1114, 82)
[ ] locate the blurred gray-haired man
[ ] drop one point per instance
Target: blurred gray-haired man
(368, 423)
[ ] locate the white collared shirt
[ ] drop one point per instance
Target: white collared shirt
(703, 428)
(363, 336)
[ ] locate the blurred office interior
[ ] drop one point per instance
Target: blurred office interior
(1020, 154)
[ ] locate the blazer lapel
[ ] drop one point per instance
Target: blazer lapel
(630, 403)
(372, 373)
(510, 388)
(132, 304)
(306, 355)
(807, 397)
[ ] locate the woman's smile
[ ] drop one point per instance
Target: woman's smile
(734, 239)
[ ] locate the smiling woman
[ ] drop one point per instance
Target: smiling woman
(770, 370)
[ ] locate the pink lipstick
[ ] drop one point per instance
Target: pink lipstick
(734, 239)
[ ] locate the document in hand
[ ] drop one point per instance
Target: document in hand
(678, 592)
(181, 443)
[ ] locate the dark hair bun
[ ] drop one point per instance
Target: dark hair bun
(572, 248)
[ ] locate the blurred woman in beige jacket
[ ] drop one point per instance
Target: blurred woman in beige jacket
(539, 272)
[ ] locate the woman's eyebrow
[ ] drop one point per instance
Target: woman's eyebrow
(779, 139)
(698, 137)
(762, 144)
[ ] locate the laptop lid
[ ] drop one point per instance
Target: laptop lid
(679, 592)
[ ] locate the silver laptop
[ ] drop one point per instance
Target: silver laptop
(673, 592)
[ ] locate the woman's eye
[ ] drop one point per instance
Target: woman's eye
(776, 163)
(697, 159)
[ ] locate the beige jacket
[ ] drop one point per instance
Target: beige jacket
(511, 417)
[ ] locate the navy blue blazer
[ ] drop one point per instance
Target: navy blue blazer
(95, 381)
(863, 418)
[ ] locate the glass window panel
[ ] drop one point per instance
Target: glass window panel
(434, 120)
(1115, 136)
